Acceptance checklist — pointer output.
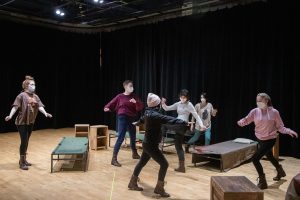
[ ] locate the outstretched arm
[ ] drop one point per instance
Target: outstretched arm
(140, 121)
(42, 110)
(11, 114)
(281, 128)
(196, 116)
(165, 119)
(112, 104)
(247, 120)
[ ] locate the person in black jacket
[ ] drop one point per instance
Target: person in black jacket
(153, 121)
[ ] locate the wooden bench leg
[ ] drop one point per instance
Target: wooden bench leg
(51, 163)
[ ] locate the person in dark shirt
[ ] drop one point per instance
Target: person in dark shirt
(153, 120)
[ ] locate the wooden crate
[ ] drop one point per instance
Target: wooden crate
(98, 137)
(82, 130)
(234, 188)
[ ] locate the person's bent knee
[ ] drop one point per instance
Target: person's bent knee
(164, 164)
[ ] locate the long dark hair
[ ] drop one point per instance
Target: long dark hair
(204, 94)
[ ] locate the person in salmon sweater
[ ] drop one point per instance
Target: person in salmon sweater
(127, 105)
(268, 123)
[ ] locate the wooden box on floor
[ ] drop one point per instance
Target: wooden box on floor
(98, 137)
(234, 188)
(82, 130)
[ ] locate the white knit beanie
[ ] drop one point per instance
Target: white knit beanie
(153, 100)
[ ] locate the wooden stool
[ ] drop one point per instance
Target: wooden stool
(82, 130)
(98, 136)
(234, 188)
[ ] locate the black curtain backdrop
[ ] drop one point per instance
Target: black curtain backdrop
(66, 69)
(231, 54)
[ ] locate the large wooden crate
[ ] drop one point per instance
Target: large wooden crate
(234, 188)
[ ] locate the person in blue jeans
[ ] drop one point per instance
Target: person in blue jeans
(127, 106)
(205, 110)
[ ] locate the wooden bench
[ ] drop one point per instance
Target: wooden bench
(234, 188)
(77, 147)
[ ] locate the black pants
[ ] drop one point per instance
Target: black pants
(152, 151)
(265, 148)
(25, 133)
(179, 137)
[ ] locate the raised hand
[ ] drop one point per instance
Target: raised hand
(132, 100)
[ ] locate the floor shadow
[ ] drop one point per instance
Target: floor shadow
(149, 192)
(212, 165)
(67, 166)
(277, 184)
(279, 160)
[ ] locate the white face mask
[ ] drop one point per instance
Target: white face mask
(31, 88)
(183, 100)
(129, 89)
(203, 100)
(261, 105)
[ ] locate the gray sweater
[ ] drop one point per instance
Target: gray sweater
(184, 110)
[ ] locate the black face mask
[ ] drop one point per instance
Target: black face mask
(156, 108)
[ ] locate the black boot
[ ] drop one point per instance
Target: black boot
(27, 163)
(181, 167)
(262, 182)
(22, 163)
(280, 173)
(159, 189)
(135, 154)
(133, 183)
(187, 148)
(114, 161)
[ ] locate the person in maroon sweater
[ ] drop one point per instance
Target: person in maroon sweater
(127, 106)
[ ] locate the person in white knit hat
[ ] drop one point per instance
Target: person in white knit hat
(153, 121)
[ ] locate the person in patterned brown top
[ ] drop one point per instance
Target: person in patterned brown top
(28, 104)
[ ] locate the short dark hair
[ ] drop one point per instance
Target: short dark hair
(126, 82)
(204, 94)
(184, 92)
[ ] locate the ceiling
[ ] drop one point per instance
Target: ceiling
(101, 15)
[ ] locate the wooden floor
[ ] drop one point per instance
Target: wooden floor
(105, 182)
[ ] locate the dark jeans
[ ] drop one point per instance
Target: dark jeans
(179, 137)
(264, 148)
(152, 151)
(25, 133)
(124, 125)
